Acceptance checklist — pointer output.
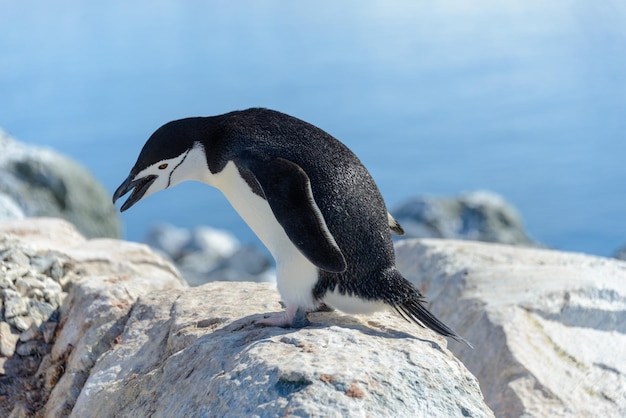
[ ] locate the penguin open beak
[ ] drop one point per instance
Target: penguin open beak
(139, 187)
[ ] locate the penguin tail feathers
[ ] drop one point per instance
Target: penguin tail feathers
(414, 311)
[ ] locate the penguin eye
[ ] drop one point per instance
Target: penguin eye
(163, 166)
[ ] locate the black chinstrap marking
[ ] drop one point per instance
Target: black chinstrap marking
(169, 178)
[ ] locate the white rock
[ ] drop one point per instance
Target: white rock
(9, 293)
(26, 284)
(31, 333)
(205, 254)
(43, 233)
(100, 256)
(249, 260)
(15, 306)
(246, 264)
(21, 323)
(40, 311)
(168, 239)
(548, 327)
(210, 240)
(181, 355)
(8, 339)
(199, 263)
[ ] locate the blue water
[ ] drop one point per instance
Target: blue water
(525, 98)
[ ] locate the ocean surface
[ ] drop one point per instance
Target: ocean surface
(523, 98)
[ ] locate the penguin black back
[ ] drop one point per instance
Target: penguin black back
(343, 189)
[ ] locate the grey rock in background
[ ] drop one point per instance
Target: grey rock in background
(9, 209)
(479, 216)
(205, 254)
(548, 327)
(620, 254)
(41, 182)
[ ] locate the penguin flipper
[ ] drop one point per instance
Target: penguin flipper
(287, 189)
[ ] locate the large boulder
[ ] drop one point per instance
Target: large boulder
(41, 182)
(133, 341)
(181, 355)
(478, 216)
(548, 327)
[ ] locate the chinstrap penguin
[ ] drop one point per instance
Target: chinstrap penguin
(307, 197)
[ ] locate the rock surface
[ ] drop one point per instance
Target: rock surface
(34, 280)
(181, 356)
(134, 341)
(205, 254)
(32, 290)
(478, 216)
(548, 328)
(41, 182)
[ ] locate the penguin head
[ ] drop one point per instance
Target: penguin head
(171, 155)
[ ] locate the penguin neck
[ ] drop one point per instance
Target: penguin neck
(196, 167)
(254, 209)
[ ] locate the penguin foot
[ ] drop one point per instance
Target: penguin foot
(324, 308)
(293, 317)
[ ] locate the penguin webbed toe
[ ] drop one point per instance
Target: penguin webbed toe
(291, 318)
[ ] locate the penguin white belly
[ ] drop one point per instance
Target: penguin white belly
(353, 304)
(296, 276)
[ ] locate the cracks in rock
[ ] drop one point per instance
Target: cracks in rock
(600, 309)
(104, 344)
